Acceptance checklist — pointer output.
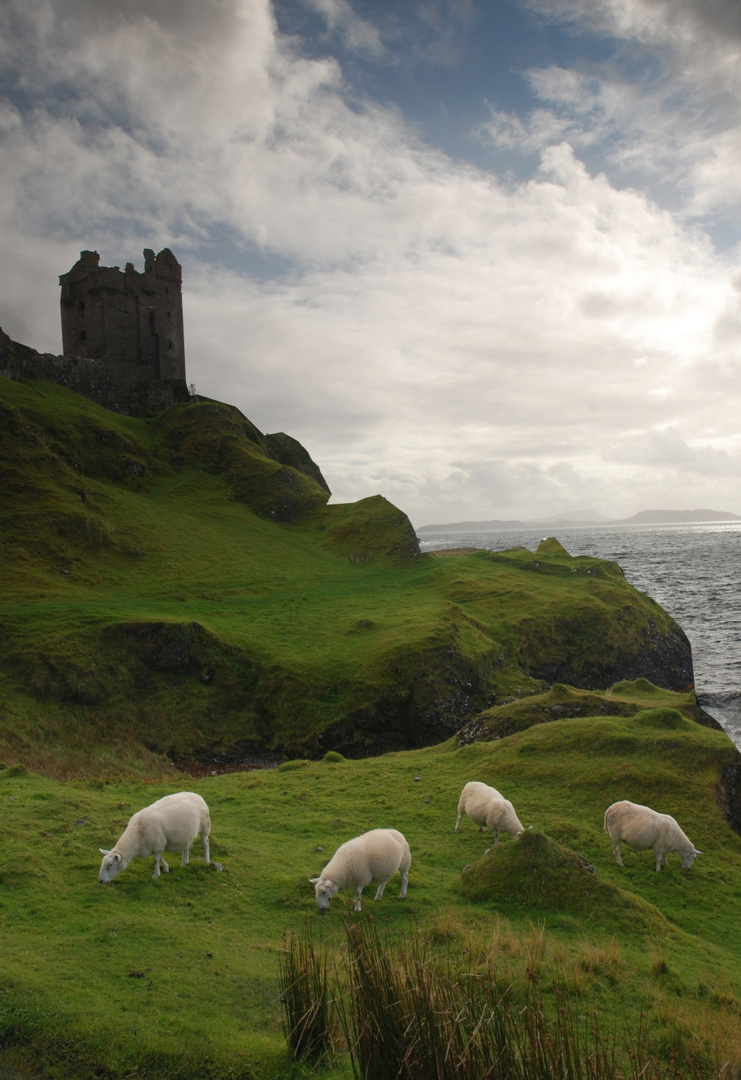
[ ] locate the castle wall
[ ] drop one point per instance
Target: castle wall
(98, 380)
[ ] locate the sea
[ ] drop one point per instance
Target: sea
(692, 571)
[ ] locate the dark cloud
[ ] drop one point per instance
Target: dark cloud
(721, 18)
(184, 18)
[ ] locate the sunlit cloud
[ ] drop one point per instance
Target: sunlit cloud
(470, 344)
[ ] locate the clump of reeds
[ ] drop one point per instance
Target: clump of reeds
(409, 1014)
(308, 1019)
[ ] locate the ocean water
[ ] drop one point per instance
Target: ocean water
(693, 571)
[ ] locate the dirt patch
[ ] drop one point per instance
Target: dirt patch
(212, 764)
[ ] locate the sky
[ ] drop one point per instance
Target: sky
(482, 257)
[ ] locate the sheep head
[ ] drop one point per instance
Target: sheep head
(325, 890)
(111, 866)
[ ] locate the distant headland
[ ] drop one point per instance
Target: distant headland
(643, 517)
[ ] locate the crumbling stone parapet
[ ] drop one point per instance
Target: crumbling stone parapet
(128, 326)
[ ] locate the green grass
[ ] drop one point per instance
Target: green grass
(156, 600)
(177, 586)
(180, 977)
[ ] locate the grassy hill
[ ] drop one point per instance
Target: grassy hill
(179, 977)
(178, 587)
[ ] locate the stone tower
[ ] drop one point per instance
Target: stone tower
(133, 324)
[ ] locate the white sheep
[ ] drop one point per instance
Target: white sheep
(370, 859)
(170, 824)
(489, 809)
(641, 828)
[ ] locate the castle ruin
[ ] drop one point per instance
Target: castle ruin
(131, 325)
(122, 335)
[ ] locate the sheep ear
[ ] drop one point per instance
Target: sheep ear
(314, 880)
(104, 850)
(696, 852)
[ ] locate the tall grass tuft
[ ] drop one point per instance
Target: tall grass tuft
(373, 1013)
(305, 1000)
(409, 1015)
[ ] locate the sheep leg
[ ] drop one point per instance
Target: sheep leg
(404, 880)
(458, 822)
(206, 851)
(358, 891)
(616, 852)
(379, 891)
(495, 836)
(186, 856)
(659, 857)
(159, 861)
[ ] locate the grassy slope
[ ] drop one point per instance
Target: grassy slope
(154, 604)
(181, 974)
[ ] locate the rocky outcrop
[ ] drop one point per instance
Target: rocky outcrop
(273, 475)
(663, 657)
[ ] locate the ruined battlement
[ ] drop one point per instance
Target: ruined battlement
(122, 336)
(130, 319)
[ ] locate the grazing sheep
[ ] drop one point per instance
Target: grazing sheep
(642, 828)
(170, 824)
(372, 858)
(486, 807)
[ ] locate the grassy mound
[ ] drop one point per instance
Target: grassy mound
(539, 874)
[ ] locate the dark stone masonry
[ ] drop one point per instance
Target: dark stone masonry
(122, 336)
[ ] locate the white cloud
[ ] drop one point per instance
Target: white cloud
(358, 34)
(677, 128)
(467, 348)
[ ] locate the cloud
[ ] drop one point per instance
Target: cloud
(469, 347)
(662, 113)
(703, 24)
(358, 34)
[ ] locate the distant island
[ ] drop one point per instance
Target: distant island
(643, 517)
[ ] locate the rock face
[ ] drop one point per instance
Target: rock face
(663, 658)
